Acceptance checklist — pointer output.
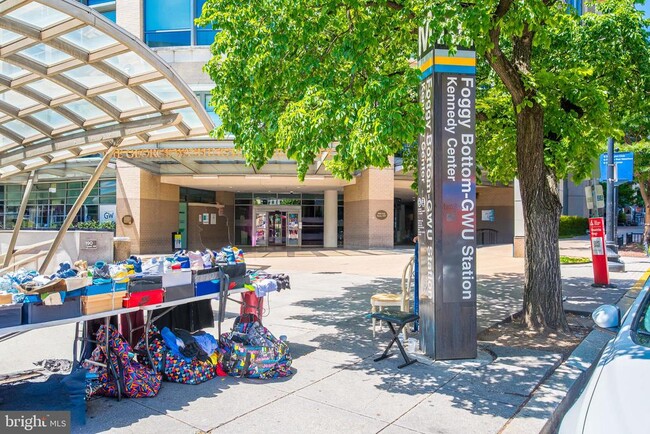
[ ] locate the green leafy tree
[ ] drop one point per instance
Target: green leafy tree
(304, 75)
(641, 151)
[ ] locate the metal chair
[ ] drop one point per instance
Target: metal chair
(401, 300)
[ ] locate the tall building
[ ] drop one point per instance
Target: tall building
(204, 190)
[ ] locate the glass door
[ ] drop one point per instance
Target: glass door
(293, 229)
(277, 225)
(260, 234)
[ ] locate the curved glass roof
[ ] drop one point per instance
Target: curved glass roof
(72, 83)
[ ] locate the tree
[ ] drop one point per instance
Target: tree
(304, 75)
(641, 151)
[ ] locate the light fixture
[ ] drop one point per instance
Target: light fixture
(257, 176)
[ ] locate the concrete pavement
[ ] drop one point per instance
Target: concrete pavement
(336, 386)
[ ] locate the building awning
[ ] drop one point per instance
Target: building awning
(73, 83)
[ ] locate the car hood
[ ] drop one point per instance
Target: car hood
(622, 392)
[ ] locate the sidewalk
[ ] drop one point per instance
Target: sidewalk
(336, 386)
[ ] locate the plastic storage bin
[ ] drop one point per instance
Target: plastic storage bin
(176, 278)
(11, 315)
(206, 281)
(34, 313)
(179, 292)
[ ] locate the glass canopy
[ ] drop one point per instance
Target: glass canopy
(72, 84)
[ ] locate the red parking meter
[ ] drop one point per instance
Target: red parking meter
(598, 251)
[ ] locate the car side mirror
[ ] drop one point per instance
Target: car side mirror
(607, 318)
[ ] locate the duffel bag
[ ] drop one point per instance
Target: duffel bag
(250, 350)
(175, 368)
(136, 380)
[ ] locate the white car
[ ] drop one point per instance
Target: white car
(616, 395)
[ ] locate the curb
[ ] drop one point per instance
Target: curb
(545, 409)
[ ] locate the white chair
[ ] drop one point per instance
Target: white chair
(402, 300)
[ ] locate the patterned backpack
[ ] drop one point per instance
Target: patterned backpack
(136, 380)
(250, 350)
(174, 368)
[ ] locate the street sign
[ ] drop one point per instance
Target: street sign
(600, 197)
(623, 169)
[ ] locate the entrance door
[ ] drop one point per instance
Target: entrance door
(277, 228)
(260, 235)
(293, 229)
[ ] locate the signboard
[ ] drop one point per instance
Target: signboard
(90, 244)
(447, 203)
(623, 169)
(213, 219)
(600, 197)
(487, 215)
(599, 251)
(381, 214)
(178, 241)
(107, 213)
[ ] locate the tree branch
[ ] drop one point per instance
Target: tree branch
(498, 60)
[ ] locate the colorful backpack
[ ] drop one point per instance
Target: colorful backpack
(175, 368)
(250, 350)
(136, 380)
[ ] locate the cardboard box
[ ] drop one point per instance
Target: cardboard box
(102, 303)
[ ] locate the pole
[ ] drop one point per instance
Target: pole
(19, 219)
(77, 205)
(611, 209)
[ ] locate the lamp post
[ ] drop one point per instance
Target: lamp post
(613, 260)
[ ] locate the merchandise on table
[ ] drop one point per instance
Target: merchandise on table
(40, 311)
(179, 292)
(102, 302)
(144, 298)
(145, 283)
(206, 281)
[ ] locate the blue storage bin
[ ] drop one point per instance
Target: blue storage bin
(207, 287)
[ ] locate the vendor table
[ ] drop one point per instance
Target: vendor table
(10, 332)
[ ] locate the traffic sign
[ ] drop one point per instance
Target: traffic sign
(623, 169)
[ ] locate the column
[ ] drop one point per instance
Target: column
(369, 208)
(331, 219)
(147, 209)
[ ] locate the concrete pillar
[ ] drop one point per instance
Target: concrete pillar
(331, 218)
(147, 209)
(519, 247)
(128, 14)
(369, 209)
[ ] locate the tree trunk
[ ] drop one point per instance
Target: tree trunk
(542, 208)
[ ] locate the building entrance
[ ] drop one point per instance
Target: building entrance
(277, 226)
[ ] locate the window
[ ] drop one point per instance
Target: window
(104, 7)
(50, 203)
(170, 23)
(204, 98)
(576, 4)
